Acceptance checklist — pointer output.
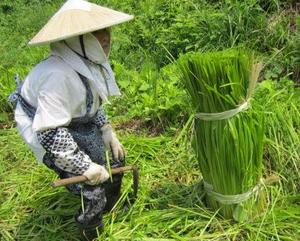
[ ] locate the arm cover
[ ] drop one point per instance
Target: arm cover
(60, 144)
(100, 118)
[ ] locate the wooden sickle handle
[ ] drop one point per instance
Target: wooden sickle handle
(79, 179)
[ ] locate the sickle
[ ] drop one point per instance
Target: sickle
(114, 171)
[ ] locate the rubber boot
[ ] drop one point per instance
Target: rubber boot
(112, 192)
(89, 232)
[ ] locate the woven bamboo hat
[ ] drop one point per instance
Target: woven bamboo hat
(78, 17)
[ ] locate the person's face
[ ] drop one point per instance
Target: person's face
(103, 37)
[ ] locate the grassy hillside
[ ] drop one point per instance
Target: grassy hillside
(153, 121)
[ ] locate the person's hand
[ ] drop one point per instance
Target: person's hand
(112, 142)
(96, 174)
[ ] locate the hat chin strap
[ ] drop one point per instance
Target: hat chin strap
(82, 46)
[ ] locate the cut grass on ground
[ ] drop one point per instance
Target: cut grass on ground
(169, 205)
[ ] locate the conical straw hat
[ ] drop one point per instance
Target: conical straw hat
(78, 17)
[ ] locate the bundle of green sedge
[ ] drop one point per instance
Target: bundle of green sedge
(228, 134)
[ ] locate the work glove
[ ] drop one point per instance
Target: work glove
(111, 142)
(96, 174)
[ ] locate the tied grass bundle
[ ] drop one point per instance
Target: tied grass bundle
(230, 150)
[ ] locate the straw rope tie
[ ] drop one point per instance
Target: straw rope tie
(223, 115)
(233, 199)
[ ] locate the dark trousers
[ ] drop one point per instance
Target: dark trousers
(97, 199)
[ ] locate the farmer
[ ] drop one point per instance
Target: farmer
(58, 106)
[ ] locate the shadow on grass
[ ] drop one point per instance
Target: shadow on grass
(177, 194)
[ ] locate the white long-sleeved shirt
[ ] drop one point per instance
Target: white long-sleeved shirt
(58, 94)
(55, 89)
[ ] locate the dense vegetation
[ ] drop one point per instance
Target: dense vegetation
(152, 118)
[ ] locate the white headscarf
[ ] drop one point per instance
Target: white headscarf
(96, 67)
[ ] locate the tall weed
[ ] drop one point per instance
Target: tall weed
(280, 102)
(154, 96)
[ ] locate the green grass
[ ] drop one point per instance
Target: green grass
(169, 206)
(163, 26)
(280, 102)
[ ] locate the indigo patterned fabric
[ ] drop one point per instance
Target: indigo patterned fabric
(100, 118)
(65, 151)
